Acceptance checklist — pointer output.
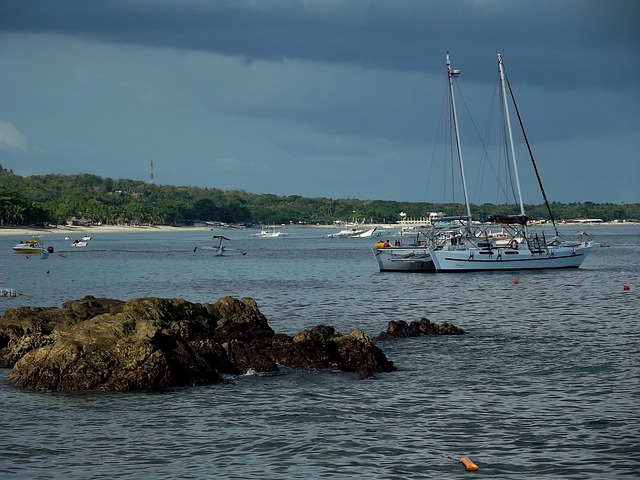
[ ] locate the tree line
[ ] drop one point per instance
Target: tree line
(55, 199)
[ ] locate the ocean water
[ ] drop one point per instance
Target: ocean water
(545, 384)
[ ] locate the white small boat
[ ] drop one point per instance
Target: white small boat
(79, 243)
(270, 232)
(346, 233)
(404, 259)
(369, 233)
(408, 256)
(356, 233)
(86, 238)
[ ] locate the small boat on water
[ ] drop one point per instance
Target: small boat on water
(403, 258)
(79, 243)
(220, 249)
(270, 232)
(86, 238)
(28, 246)
(32, 247)
(356, 233)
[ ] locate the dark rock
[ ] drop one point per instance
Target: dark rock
(322, 347)
(402, 329)
(155, 343)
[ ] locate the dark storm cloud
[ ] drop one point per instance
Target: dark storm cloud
(574, 39)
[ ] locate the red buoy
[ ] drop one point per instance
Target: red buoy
(515, 282)
(626, 287)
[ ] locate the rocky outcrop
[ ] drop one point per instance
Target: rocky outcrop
(155, 343)
(402, 329)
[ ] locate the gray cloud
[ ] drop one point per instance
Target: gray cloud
(408, 35)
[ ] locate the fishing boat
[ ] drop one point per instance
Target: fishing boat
(270, 232)
(475, 247)
(220, 249)
(356, 233)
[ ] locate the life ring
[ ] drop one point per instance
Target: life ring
(513, 244)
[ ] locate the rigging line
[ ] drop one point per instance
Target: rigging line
(433, 153)
(483, 143)
(500, 184)
(485, 156)
(535, 167)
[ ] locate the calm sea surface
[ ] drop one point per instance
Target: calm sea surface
(545, 384)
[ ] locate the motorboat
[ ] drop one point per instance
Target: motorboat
(32, 247)
(395, 258)
(28, 246)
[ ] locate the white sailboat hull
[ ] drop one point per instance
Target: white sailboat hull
(394, 259)
(499, 259)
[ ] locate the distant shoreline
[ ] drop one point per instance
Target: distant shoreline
(77, 230)
(31, 231)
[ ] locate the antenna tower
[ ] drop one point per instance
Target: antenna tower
(151, 172)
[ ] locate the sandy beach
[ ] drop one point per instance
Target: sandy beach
(32, 231)
(67, 230)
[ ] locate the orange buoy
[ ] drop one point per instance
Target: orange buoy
(468, 464)
(626, 287)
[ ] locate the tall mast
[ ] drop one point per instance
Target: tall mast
(506, 112)
(453, 74)
(533, 161)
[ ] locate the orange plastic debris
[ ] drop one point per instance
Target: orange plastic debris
(468, 464)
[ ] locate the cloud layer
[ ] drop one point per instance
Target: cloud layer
(319, 98)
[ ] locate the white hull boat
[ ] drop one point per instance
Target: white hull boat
(516, 248)
(404, 259)
(270, 232)
(473, 259)
(474, 247)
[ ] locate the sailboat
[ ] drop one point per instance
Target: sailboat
(415, 254)
(475, 248)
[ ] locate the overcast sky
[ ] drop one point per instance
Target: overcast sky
(321, 98)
